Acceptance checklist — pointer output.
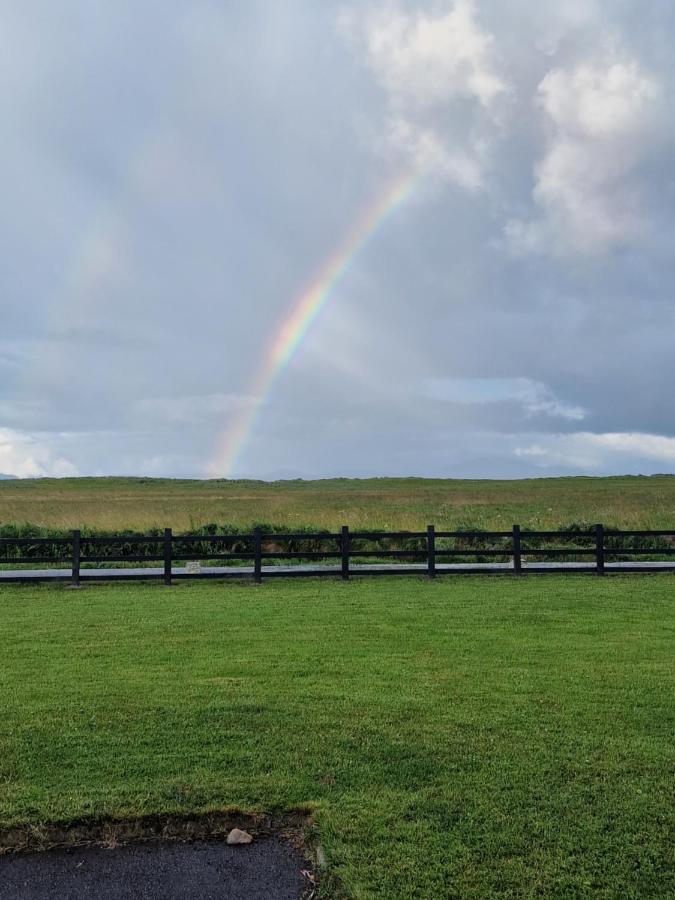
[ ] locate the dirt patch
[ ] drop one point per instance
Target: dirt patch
(295, 827)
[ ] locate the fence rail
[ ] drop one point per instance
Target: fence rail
(343, 554)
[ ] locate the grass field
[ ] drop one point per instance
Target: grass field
(467, 738)
(389, 503)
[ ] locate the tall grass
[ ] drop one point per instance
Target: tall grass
(383, 503)
(237, 541)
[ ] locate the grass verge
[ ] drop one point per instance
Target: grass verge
(468, 737)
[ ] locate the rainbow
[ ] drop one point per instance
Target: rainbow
(301, 315)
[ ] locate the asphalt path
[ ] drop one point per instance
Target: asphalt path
(239, 572)
(267, 869)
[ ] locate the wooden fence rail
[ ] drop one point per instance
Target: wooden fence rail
(258, 554)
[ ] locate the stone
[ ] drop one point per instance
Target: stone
(237, 836)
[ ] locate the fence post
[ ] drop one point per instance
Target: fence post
(168, 538)
(76, 559)
(344, 549)
(431, 551)
(599, 550)
(257, 557)
(517, 555)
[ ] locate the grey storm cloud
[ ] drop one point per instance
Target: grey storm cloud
(174, 176)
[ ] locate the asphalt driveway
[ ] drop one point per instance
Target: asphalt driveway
(267, 869)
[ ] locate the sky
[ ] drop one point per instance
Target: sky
(299, 239)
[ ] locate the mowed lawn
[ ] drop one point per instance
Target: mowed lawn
(468, 737)
(389, 503)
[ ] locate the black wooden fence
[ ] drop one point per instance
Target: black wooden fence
(345, 553)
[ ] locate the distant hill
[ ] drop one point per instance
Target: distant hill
(5, 477)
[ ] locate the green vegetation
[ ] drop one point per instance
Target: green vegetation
(237, 542)
(388, 503)
(460, 738)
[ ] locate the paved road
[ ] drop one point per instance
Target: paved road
(267, 571)
(265, 870)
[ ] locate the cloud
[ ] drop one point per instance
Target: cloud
(534, 397)
(30, 456)
(602, 123)
(588, 451)
(424, 60)
(433, 69)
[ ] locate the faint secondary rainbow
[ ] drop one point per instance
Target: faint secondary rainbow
(302, 313)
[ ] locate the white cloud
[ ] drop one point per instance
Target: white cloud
(425, 60)
(534, 397)
(601, 121)
(588, 451)
(598, 101)
(431, 66)
(648, 446)
(29, 456)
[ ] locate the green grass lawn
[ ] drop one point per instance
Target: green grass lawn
(468, 737)
(389, 503)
